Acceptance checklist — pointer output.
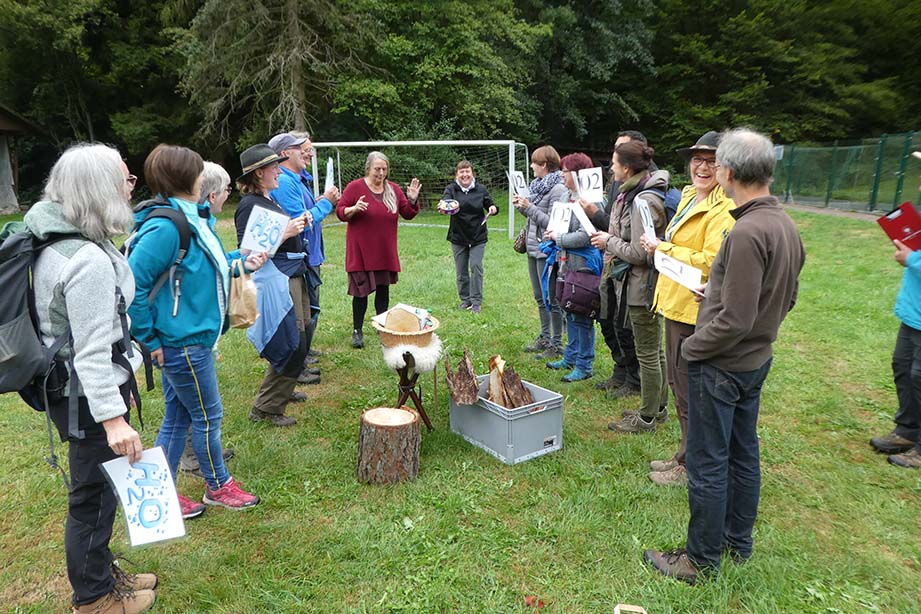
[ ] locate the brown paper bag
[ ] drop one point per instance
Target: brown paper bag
(242, 308)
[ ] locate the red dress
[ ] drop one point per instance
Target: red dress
(371, 237)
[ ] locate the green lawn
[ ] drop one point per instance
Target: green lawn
(837, 532)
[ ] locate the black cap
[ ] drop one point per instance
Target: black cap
(708, 142)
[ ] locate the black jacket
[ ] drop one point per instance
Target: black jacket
(466, 227)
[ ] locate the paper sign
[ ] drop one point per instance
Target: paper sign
(587, 225)
(590, 184)
(148, 497)
(560, 214)
(265, 230)
(646, 216)
(516, 179)
(330, 178)
(674, 269)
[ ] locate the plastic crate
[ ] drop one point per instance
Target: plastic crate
(511, 435)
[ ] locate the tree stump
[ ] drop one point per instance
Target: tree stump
(388, 445)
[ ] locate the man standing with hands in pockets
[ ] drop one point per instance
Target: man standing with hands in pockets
(753, 285)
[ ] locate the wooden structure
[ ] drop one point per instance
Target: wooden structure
(11, 125)
(388, 445)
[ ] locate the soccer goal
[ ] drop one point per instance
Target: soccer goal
(432, 162)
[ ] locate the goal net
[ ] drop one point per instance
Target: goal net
(432, 162)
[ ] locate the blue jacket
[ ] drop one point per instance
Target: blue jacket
(201, 300)
(295, 197)
(908, 302)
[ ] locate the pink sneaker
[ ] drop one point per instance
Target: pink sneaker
(190, 509)
(230, 496)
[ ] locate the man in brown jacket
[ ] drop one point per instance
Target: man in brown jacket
(753, 284)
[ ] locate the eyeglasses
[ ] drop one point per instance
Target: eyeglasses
(228, 189)
(131, 180)
(701, 161)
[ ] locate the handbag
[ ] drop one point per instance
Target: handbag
(521, 241)
(242, 305)
(578, 293)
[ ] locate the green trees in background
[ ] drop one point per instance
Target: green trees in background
(222, 74)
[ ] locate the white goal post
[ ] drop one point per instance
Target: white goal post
(491, 161)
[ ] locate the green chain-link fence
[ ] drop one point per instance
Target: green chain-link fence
(866, 175)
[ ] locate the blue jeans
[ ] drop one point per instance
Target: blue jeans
(191, 396)
(580, 341)
(723, 461)
(906, 370)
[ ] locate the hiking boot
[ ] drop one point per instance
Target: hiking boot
(311, 360)
(310, 371)
(298, 397)
(464, 306)
(190, 509)
(553, 351)
(475, 309)
(308, 378)
(674, 564)
(676, 476)
(661, 415)
(257, 415)
(312, 352)
(892, 444)
(909, 460)
(540, 344)
(624, 391)
(658, 465)
(358, 339)
(230, 496)
(612, 383)
(633, 424)
(735, 556)
(125, 581)
(119, 602)
(559, 364)
(576, 375)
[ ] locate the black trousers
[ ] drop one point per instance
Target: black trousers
(91, 504)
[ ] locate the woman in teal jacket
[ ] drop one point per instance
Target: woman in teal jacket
(179, 312)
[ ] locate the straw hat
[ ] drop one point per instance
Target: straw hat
(403, 328)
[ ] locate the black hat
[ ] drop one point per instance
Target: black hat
(256, 157)
(708, 142)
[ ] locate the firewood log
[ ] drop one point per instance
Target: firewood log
(462, 384)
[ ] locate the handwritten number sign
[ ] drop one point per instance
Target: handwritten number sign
(264, 230)
(516, 178)
(148, 497)
(591, 184)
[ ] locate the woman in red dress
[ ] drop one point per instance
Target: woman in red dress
(371, 207)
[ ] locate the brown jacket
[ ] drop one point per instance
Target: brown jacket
(753, 284)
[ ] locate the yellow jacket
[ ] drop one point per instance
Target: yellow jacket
(695, 239)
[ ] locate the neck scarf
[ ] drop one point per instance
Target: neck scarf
(541, 186)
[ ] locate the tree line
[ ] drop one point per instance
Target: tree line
(220, 75)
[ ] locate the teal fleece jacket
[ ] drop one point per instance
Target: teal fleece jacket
(192, 308)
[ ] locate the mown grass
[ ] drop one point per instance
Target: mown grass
(837, 532)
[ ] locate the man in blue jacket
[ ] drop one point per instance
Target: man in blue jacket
(903, 444)
(296, 198)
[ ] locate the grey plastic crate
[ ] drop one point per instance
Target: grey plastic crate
(516, 435)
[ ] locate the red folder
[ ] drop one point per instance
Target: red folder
(903, 224)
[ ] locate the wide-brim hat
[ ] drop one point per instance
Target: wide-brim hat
(256, 157)
(708, 142)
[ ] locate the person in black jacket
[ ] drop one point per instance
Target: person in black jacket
(467, 233)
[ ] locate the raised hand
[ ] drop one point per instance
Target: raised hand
(412, 193)
(600, 239)
(332, 195)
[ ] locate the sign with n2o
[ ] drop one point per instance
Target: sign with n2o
(516, 179)
(148, 497)
(591, 184)
(265, 230)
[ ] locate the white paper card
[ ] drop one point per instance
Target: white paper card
(587, 225)
(330, 177)
(560, 214)
(265, 230)
(516, 179)
(685, 274)
(148, 497)
(591, 184)
(646, 217)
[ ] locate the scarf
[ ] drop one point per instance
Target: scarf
(541, 186)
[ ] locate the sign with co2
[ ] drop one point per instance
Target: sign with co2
(264, 231)
(590, 182)
(148, 497)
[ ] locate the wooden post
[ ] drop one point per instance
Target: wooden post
(388, 445)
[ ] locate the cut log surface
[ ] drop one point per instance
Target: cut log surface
(388, 445)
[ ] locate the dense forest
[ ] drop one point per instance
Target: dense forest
(219, 75)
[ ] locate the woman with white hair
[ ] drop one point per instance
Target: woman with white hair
(371, 206)
(79, 284)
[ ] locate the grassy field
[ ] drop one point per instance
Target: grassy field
(837, 530)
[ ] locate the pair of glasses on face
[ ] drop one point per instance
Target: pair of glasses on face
(701, 161)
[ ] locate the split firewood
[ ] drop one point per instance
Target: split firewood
(462, 384)
(505, 386)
